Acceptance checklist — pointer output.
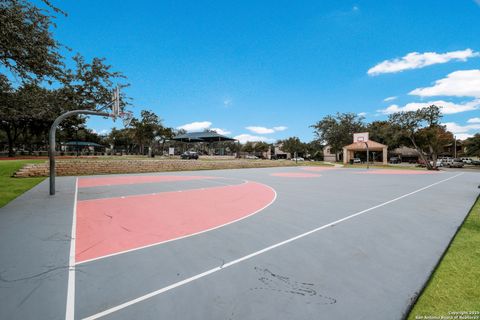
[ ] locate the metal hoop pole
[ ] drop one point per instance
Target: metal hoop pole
(51, 138)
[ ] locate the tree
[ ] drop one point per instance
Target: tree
(248, 147)
(27, 47)
(433, 140)
(28, 51)
(121, 138)
(20, 109)
(232, 146)
(422, 128)
(31, 109)
(146, 129)
(164, 134)
(261, 146)
(293, 145)
(386, 133)
(315, 149)
(337, 131)
(472, 146)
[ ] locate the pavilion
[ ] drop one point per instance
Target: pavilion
(360, 143)
(207, 137)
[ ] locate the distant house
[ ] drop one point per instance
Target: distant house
(405, 154)
(449, 149)
(279, 154)
(328, 155)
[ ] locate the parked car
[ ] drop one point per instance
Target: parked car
(189, 155)
(251, 157)
(454, 163)
(467, 160)
(439, 163)
(298, 159)
(394, 160)
(357, 160)
(476, 162)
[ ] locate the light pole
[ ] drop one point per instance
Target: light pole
(368, 160)
(455, 145)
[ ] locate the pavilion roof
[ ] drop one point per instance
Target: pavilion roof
(359, 146)
(207, 136)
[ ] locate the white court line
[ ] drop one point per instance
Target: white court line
(193, 234)
(231, 263)
(70, 310)
(165, 192)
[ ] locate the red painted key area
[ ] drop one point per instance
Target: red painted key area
(113, 225)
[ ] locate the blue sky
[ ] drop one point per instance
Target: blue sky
(270, 69)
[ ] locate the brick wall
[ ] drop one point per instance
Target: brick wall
(75, 167)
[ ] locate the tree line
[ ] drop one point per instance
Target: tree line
(420, 129)
(36, 84)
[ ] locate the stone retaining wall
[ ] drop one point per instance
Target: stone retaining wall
(91, 167)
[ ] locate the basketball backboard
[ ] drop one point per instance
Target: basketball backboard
(360, 137)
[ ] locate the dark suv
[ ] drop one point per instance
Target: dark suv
(189, 155)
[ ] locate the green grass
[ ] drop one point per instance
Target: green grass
(10, 187)
(455, 284)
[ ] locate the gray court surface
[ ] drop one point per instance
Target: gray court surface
(296, 259)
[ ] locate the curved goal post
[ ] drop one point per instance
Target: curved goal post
(114, 105)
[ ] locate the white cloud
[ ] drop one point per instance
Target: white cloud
(456, 128)
(245, 137)
(362, 114)
(260, 130)
(462, 132)
(445, 106)
(264, 130)
(463, 83)
(196, 126)
(390, 99)
(416, 60)
(463, 136)
(221, 131)
(102, 131)
(474, 120)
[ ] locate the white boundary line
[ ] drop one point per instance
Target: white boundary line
(231, 263)
(70, 309)
(148, 182)
(163, 192)
(193, 234)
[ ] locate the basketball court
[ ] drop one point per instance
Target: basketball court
(274, 243)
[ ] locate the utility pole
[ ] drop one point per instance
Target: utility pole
(455, 146)
(368, 160)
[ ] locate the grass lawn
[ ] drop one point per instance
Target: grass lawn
(455, 284)
(10, 188)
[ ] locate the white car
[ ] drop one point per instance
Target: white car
(357, 160)
(439, 163)
(251, 157)
(298, 159)
(467, 160)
